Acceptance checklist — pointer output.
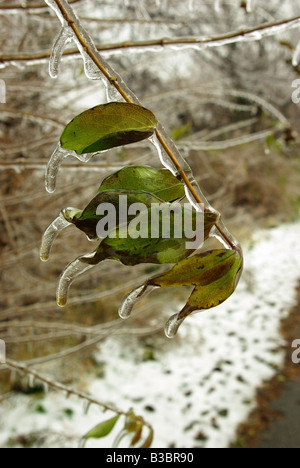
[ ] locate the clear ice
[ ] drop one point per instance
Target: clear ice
(58, 225)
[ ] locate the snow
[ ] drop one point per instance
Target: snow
(202, 384)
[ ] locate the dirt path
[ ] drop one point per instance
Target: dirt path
(284, 432)
(275, 423)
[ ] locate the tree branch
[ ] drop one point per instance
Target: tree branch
(88, 48)
(37, 6)
(244, 35)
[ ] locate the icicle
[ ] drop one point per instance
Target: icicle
(56, 161)
(65, 36)
(112, 94)
(52, 167)
(73, 270)
(217, 6)
(46, 388)
(86, 406)
(31, 381)
(91, 70)
(191, 5)
(59, 224)
(249, 6)
(172, 326)
(133, 298)
(296, 56)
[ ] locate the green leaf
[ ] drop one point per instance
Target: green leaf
(88, 219)
(160, 182)
(131, 251)
(108, 126)
(214, 275)
(103, 429)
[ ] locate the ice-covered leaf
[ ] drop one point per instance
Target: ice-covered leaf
(124, 246)
(213, 273)
(159, 182)
(108, 126)
(129, 249)
(103, 429)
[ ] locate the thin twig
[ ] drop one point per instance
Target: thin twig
(266, 30)
(37, 6)
(11, 364)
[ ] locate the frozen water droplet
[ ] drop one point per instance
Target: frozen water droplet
(86, 406)
(249, 6)
(172, 326)
(65, 36)
(296, 56)
(46, 387)
(73, 270)
(133, 298)
(191, 5)
(217, 6)
(59, 224)
(31, 381)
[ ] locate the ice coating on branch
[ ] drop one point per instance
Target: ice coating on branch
(91, 70)
(73, 270)
(133, 298)
(296, 56)
(52, 4)
(164, 158)
(65, 36)
(172, 326)
(112, 95)
(59, 224)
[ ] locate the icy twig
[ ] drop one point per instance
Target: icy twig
(19, 367)
(201, 43)
(296, 56)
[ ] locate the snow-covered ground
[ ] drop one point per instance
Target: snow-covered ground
(201, 386)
